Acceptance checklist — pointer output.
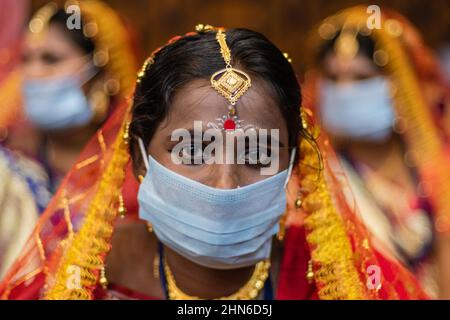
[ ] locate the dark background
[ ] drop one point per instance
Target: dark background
(285, 22)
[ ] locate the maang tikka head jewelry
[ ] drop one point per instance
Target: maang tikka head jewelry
(231, 83)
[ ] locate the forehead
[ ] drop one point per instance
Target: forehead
(198, 101)
(360, 63)
(53, 38)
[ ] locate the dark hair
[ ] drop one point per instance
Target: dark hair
(365, 43)
(197, 56)
(75, 35)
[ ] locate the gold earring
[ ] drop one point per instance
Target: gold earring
(126, 134)
(298, 201)
(310, 272)
(149, 227)
(156, 266)
(103, 280)
(122, 209)
(282, 227)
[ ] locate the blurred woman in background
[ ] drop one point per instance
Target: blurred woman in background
(18, 212)
(77, 67)
(380, 96)
(72, 79)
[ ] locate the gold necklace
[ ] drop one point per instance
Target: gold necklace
(249, 291)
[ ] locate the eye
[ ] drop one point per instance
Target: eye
(332, 77)
(362, 77)
(192, 154)
(256, 157)
(50, 58)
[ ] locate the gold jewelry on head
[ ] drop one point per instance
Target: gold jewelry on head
(202, 28)
(141, 74)
(346, 46)
(231, 83)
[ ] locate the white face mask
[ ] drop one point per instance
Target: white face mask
(361, 110)
(216, 228)
(58, 103)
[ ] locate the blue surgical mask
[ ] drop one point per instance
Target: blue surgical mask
(57, 103)
(216, 228)
(362, 110)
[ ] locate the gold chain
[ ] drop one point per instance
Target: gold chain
(249, 291)
(224, 50)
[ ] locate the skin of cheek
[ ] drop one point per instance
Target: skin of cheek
(197, 101)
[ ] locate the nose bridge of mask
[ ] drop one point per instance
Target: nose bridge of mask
(348, 101)
(46, 86)
(145, 156)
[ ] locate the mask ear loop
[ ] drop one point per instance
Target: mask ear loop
(291, 166)
(88, 71)
(143, 153)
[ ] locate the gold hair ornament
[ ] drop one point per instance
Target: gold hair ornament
(231, 83)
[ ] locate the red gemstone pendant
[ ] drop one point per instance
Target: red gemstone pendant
(229, 124)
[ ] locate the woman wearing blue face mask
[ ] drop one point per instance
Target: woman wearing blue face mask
(371, 98)
(207, 230)
(72, 79)
(18, 213)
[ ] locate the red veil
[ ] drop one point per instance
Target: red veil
(12, 15)
(76, 229)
